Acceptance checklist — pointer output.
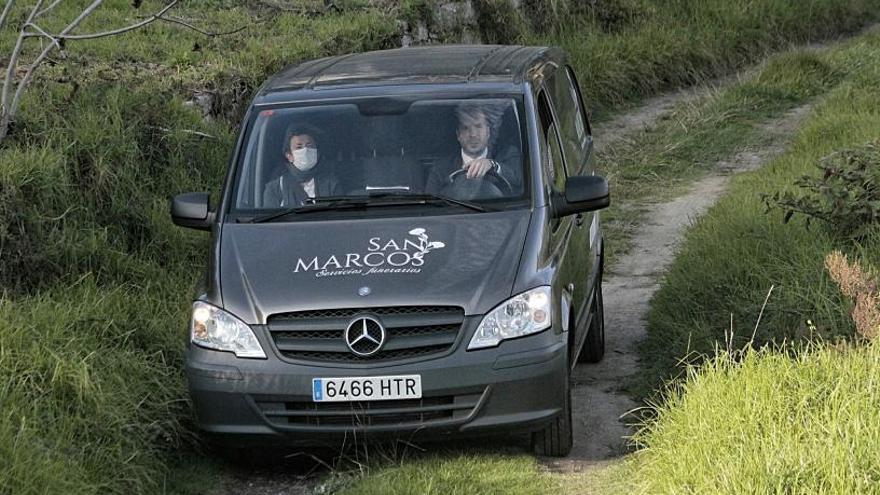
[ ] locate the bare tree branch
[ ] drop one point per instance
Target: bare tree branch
(6, 10)
(30, 29)
(41, 31)
(13, 63)
(16, 101)
(132, 27)
(50, 7)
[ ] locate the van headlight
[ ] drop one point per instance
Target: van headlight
(214, 328)
(523, 314)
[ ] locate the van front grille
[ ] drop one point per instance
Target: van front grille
(349, 313)
(411, 332)
(405, 412)
(354, 358)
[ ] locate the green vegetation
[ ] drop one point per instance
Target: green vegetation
(694, 137)
(793, 417)
(96, 280)
(91, 394)
(845, 195)
(737, 252)
(459, 474)
(612, 478)
(626, 49)
(769, 422)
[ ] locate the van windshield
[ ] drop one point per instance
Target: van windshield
(466, 150)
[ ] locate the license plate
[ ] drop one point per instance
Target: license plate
(366, 388)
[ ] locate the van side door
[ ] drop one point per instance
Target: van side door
(577, 146)
(560, 229)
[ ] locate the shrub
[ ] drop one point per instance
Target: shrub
(846, 196)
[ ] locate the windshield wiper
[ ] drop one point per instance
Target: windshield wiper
(316, 204)
(424, 198)
(327, 203)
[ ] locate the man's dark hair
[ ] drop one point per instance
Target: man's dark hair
(298, 130)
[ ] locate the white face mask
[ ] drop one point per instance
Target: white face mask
(305, 158)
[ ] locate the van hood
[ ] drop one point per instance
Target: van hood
(467, 260)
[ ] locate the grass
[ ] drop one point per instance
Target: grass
(91, 392)
(734, 254)
(654, 164)
(646, 46)
(796, 422)
(96, 280)
(459, 474)
(610, 478)
(789, 403)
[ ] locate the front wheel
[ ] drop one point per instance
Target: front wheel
(594, 345)
(556, 439)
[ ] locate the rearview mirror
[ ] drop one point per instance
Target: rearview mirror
(192, 210)
(582, 193)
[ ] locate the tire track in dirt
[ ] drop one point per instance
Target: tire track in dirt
(600, 406)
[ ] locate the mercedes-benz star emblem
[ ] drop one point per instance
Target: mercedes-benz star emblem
(364, 291)
(365, 336)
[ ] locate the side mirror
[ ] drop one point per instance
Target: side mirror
(583, 193)
(192, 210)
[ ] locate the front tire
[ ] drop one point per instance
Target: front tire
(594, 344)
(556, 439)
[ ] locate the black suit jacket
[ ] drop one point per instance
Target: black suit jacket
(285, 191)
(509, 158)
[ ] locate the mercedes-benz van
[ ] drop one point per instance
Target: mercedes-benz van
(406, 242)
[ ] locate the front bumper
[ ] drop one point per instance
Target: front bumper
(516, 387)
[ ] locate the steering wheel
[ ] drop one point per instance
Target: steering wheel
(496, 186)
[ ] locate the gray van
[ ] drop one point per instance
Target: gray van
(406, 243)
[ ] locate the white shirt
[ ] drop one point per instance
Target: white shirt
(466, 159)
(309, 187)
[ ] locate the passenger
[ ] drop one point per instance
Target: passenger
(304, 176)
(477, 132)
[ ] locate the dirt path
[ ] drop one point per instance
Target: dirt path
(628, 123)
(600, 406)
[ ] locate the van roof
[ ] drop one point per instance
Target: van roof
(417, 65)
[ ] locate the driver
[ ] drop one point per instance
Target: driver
(304, 175)
(476, 133)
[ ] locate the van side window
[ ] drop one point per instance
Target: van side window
(554, 163)
(572, 124)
